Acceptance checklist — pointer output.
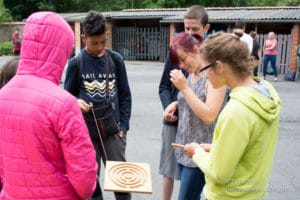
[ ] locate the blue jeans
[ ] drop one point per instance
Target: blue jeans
(266, 60)
(191, 183)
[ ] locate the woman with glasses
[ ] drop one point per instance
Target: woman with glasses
(239, 163)
(198, 106)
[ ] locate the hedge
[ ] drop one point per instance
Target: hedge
(6, 48)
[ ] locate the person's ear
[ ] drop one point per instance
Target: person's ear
(83, 37)
(206, 28)
(196, 49)
(219, 67)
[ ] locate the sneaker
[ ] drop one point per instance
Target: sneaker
(275, 79)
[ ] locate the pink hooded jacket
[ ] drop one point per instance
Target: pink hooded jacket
(45, 148)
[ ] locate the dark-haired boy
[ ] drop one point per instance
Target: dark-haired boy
(92, 89)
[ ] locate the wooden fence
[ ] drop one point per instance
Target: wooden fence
(284, 51)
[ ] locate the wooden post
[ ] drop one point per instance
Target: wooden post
(295, 42)
(77, 33)
(172, 32)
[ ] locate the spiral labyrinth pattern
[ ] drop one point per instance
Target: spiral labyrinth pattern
(128, 175)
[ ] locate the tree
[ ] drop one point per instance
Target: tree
(288, 3)
(4, 13)
(21, 9)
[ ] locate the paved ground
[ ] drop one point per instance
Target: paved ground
(145, 133)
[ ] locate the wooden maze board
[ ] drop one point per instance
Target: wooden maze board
(127, 177)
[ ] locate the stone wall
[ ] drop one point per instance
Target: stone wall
(7, 29)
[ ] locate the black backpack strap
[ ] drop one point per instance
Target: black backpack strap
(78, 61)
(112, 60)
(107, 97)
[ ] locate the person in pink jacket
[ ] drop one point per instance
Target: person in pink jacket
(45, 148)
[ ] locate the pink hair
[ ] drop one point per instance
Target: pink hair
(184, 41)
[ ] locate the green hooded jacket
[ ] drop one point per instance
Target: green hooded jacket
(239, 163)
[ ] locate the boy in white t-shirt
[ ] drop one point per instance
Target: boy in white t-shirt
(239, 24)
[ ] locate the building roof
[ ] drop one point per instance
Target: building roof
(128, 14)
(248, 14)
(216, 14)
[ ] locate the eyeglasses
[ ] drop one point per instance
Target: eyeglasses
(206, 67)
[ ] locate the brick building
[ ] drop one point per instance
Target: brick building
(144, 34)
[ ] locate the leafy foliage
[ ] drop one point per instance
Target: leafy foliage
(6, 48)
(4, 13)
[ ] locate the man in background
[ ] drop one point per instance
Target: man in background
(241, 25)
(256, 52)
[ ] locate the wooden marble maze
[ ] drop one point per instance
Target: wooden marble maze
(127, 177)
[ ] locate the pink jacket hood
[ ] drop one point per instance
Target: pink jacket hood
(45, 148)
(45, 49)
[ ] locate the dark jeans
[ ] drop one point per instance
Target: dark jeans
(191, 183)
(17, 52)
(115, 150)
(266, 60)
(255, 71)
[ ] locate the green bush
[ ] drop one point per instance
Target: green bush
(6, 48)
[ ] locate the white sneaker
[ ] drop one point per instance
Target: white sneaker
(275, 79)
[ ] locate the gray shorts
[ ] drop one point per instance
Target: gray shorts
(167, 163)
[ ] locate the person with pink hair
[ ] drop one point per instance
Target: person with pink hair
(198, 105)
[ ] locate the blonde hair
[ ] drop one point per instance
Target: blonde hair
(229, 49)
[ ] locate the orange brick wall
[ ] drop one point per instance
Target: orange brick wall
(295, 42)
(172, 29)
(76, 29)
(109, 34)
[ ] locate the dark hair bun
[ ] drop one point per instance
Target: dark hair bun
(238, 33)
(198, 37)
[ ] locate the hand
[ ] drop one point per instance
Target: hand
(168, 114)
(171, 118)
(85, 107)
(178, 79)
(206, 147)
(122, 134)
(190, 149)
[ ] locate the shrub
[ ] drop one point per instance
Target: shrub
(6, 48)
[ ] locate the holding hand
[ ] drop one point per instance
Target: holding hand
(190, 149)
(85, 107)
(169, 112)
(206, 147)
(178, 79)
